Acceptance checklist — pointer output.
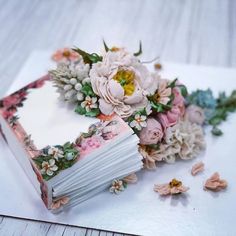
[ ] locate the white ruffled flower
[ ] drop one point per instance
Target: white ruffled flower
(122, 83)
(139, 122)
(56, 152)
(69, 78)
(117, 186)
(89, 103)
(49, 167)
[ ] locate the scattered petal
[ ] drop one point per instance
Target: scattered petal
(198, 167)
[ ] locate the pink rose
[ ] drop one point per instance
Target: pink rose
(195, 114)
(152, 133)
(169, 118)
(179, 101)
(91, 143)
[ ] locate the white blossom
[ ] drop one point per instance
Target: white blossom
(49, 167)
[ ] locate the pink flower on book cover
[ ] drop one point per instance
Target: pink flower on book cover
(91, 143)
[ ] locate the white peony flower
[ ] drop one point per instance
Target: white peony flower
(139, 122)
(122, 83)
(89, 103)
(49, 167)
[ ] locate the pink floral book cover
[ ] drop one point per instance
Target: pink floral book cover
(29, 119)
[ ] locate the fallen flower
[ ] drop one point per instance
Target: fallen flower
(214, 183)
(59, 203)
(198, 167)
(174, 187)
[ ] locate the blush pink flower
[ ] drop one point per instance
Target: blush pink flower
(172, 188)
(152, 133)
(178, 100)
(214, 183)
(65, 54)
(169, 118)
(195, 114)
(8, 114)
(163, 93)
(59, 203)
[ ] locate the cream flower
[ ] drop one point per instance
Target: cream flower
(117, 186)
(49, 167)
(174, 187)
(56, 152)
(162, 95)
(89, 103)
(139, 122)
(122, 83)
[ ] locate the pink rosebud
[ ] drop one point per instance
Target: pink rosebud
(179, 101)
(169, 118)
(152, 134)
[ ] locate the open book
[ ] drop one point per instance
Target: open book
(68, 157)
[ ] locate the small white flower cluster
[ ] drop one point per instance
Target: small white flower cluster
(69, 78)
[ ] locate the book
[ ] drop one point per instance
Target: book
(69, 158)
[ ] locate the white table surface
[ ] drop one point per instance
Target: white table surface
(198, 32)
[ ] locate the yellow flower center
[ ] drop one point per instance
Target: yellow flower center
(115, 49)
(126, 79)
(156, 97)
(66, 53)
(175, 183)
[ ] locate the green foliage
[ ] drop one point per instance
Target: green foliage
(70, 155)
(216, 109)
(140, 51)
(87, 90)
(87, 57)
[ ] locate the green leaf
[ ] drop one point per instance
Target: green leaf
(172, 83)
(93, 113)
(140, 51)
(105, 46)
(183, 90)
(87, 57)
(87, 90)
(80, 110)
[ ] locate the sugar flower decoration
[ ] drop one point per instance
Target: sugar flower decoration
(56, 153)
(139, 122)
(152, 133)
(131, 179)
(214, 183)
(117, 186)
(195, 114)
(69, 79)
(65, 54)
(59, 203)
(198, 167)
(172, 188)
(49, 167)
(122, 83)
(162, 95)
(89, 103)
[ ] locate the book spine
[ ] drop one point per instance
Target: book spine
(15, 137)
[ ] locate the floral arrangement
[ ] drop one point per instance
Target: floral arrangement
(168, 120)
(154, 107)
